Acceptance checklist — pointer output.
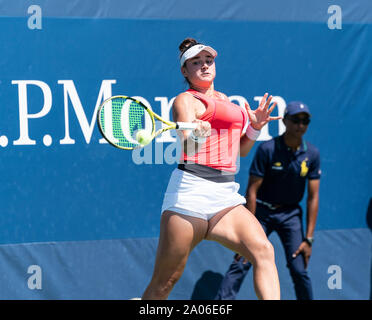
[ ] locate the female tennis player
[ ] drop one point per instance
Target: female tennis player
(202, 199)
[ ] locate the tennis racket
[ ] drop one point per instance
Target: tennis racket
(126, 123)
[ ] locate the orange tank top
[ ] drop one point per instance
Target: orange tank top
(221, 148)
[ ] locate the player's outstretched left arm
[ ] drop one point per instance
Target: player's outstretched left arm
(257, 118)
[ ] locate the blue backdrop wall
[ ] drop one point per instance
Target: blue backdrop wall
(77, 218)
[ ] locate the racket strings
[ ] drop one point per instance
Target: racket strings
(134, 116)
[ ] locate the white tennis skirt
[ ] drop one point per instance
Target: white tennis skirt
(198, 197)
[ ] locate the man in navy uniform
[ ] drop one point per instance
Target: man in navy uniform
(276, 186)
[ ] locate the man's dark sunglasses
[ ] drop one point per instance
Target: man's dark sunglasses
(297, 120)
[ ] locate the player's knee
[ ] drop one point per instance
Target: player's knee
(268, 251)
(263, 253)
(170, 283)
(164, 286)
(160, 286)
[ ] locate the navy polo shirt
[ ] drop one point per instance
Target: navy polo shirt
(284, 171)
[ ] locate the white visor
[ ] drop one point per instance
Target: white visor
(195, 50)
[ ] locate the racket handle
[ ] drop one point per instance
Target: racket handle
(186, 126)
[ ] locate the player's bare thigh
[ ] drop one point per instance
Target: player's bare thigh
(179, 234)
(179, 227)
(237, 229)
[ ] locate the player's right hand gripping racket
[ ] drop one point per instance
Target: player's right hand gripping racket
(127, 123)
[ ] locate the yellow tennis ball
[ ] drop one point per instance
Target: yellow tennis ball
(143, 137)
